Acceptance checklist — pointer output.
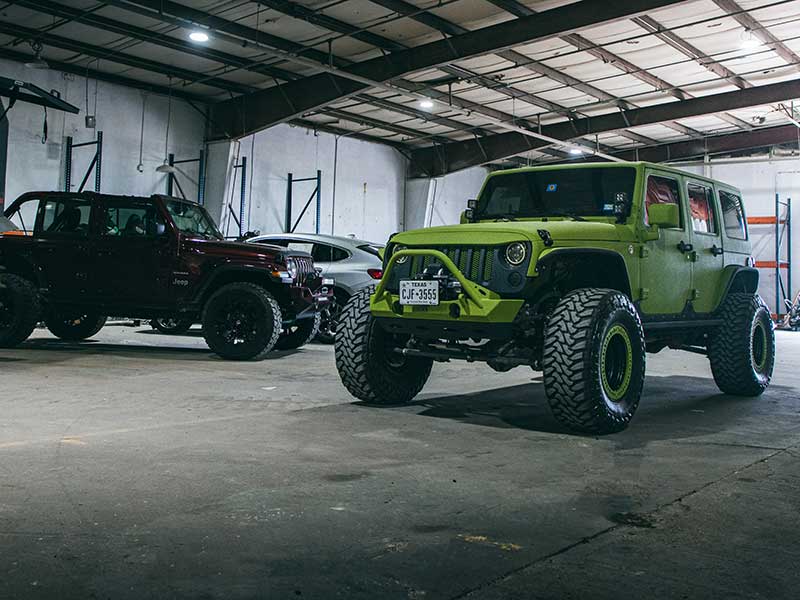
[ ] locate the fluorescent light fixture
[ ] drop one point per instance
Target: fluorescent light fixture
(749, 41)
(426, 103)
(198, 36)
(575, 151)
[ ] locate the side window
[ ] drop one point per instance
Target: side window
(701, 206)
(338, 254)
(661, 190)
(302, 246)
(322, 253)
(732, 215)
(67, 216)
(131, 220)
(284, 243)
(24, 218)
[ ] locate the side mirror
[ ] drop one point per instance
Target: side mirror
(664, 215)
(160, 228)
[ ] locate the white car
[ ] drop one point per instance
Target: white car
(352, 263)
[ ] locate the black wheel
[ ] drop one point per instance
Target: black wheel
(241, 321)
(367, 365)
(172, 326)
(19, 310)
(74, 327)
(594, 358)
(298, 334)
(330, 317)
(742, 351)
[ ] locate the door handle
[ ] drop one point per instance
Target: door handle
(716, 251)
(684, 247)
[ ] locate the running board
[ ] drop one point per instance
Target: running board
(689, 323)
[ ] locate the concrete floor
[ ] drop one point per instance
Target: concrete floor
(141, 466)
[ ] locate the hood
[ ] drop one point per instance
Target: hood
(502, 232)
(232, 249)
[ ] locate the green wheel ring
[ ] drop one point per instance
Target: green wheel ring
(759, 336)
(616, 394)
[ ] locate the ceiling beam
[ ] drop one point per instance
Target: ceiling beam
(731, 142)
(152, 37)
(182, 16)
(608, 57)
(298, 11)
(101, 76)
(262, 109)
(145, 35)
(686, 48)
(49, 39)
(746, 20)
(449, 28)
(443, 159)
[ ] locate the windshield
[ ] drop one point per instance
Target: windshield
(557, 193)
(192, 220)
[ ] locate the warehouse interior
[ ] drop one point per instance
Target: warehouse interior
(140, 464)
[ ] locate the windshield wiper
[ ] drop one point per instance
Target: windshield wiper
(506, 217)
(569, 215)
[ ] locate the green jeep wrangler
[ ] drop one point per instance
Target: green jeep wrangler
(576, 271)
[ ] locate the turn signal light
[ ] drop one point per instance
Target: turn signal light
(375, 273)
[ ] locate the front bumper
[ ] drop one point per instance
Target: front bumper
(477, 312)
(307, 302)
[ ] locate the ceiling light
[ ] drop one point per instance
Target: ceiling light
(426, 103)
(198, 36)
(38, 62)
(749, 41)
(575, 151)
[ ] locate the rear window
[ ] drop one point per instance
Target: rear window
(732, 215)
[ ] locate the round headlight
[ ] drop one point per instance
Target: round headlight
(291, 266)
(515, 253)
(402, 259)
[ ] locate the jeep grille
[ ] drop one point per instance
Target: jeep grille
(475, 262)
(305, 265)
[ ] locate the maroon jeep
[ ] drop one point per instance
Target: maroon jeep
(75, 258)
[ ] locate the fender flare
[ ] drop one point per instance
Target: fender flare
(549, 256)
(223, 270)
(739, 276)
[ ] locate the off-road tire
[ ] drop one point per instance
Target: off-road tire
(20, 310)
(594, 360)
(742, 350)
(74, 327)
(367, 370)
(299, 334)
(330, 317)
(242, 301)
(172, 326)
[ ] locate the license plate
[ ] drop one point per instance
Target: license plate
(419, 293)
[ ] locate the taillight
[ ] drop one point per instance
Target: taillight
(375, 273)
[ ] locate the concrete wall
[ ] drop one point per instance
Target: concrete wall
(33, 165)
(759, 182)
(440, 201)
(369, 191)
